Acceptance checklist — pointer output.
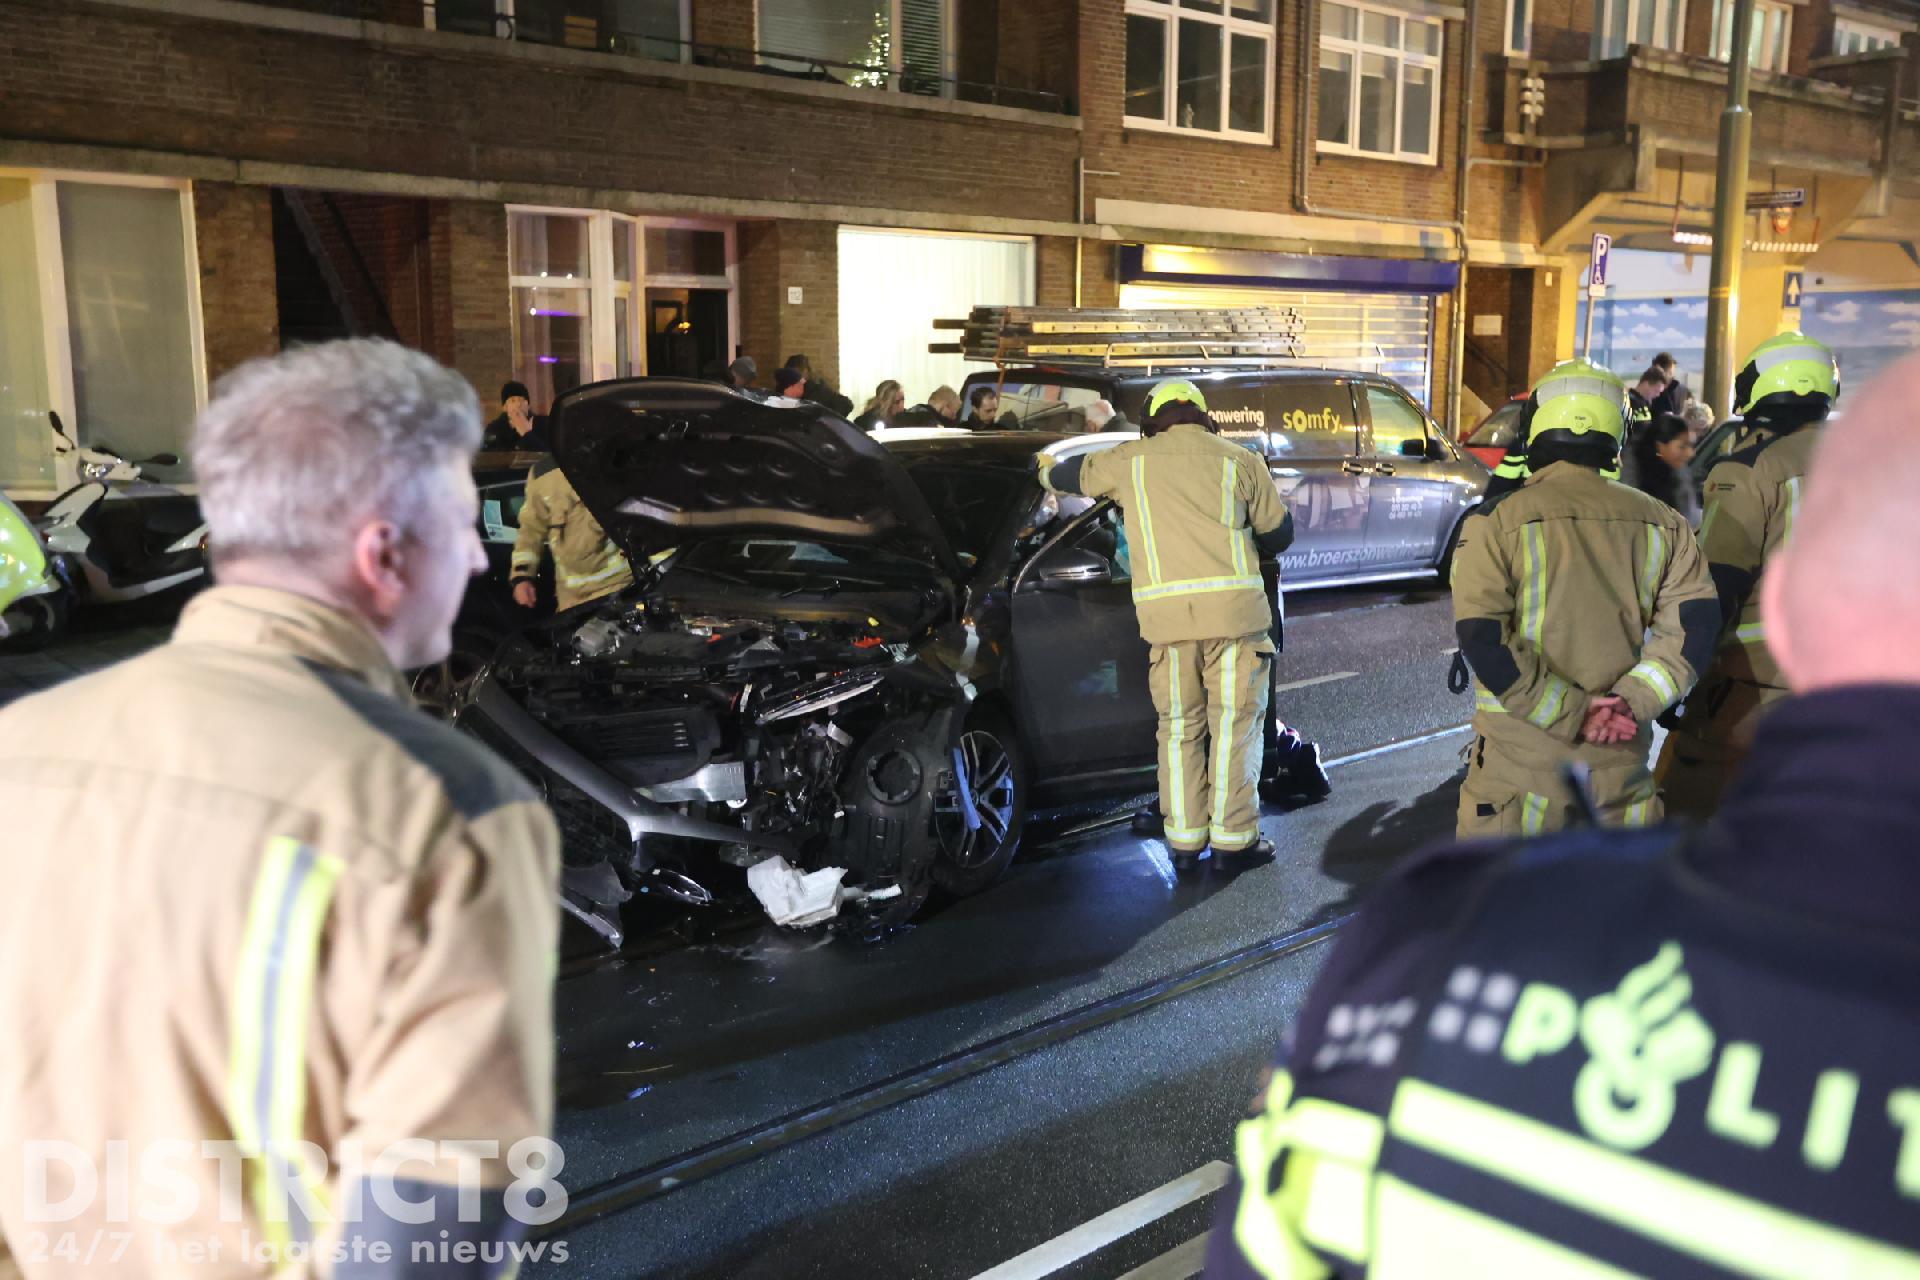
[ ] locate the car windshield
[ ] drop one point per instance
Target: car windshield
(969, 503)
(1499, 430)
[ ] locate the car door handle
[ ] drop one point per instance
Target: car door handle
(1383, 468)
(1354, 467)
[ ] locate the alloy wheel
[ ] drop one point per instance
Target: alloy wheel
(994, 795)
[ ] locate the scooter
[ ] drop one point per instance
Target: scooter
(114, 550)
(33, 601)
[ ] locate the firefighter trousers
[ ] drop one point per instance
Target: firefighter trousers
(1705, 747)
(1212, 699)
(1509, 792)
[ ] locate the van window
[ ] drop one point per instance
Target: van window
(1395, 421)
(1308, 419)
(1047, 406)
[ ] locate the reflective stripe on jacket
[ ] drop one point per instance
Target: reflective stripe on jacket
(1193, 503)
(255, 897)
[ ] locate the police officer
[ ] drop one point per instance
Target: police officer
(1584, 610)
(586, 563)
(1788, 385)
(1200, 512)
(263, 918)
(1651, 1053)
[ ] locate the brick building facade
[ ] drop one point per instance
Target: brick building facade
(534, 188)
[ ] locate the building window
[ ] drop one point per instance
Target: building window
(1201, 66)
(1652, 24)
(597, 295)
(643, 28)
(1850, 35)
(99, 320)
(1379, 83)
(1519, 28)
(1772, 34)
(875, 44)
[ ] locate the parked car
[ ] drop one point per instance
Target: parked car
(876, 655)
(1376, 489)
(1497, 432)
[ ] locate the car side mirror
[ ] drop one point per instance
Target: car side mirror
(1069, 568)
(1437, 451)
(1414, 448)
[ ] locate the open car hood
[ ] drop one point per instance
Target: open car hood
(662, 462)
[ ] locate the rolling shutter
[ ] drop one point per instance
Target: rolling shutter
(1386, 333)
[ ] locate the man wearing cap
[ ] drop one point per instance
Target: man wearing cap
(1201, 512)
(1788, 386)
(1584, 610)
(515, 430)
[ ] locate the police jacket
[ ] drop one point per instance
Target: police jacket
(1575, 586)
(1200, 514)
(1647, 1053)
(1751, 498)
(586, 563)
(256, 898)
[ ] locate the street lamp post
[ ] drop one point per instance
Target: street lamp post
(1729, 216)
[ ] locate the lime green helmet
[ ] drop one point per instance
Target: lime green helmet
(1580, 398)
(1788, 371)
(1172, 391)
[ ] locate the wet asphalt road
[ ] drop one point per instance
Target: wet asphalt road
(697, 1052)
(828, 1107)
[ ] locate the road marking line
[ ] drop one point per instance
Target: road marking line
(1180, 1263)
(1114, 1224)
(1302, 684)
(1369, 754)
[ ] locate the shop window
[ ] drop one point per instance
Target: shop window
(1519, 29)
(598, 295)
(895, 284)
(1201, 66)
(1772, 39)
(874, 44)
(99, 321)
(1652, 24)
(1379, 83)
(1850, 35)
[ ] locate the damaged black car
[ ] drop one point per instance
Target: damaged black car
(849, 666)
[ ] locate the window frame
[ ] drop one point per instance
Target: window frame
(1356, 48)
(1882, 37)
(1170, 13)
(602, 288)
(1762, 9)
(1524, 48)
(1674, 11)
(56, 321)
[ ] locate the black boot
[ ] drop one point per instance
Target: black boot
(1294, 772)
(1147, 821)
(1261, 850)
(1186, 861)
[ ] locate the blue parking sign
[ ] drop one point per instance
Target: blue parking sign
(1602, 244)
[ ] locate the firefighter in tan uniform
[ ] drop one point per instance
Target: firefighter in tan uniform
(1200, 513)
(586, 564)
(1584, 610)
(264, 920)
(1788, 386)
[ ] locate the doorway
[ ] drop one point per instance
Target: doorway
(687, 333)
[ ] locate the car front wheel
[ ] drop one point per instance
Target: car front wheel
(979, 832)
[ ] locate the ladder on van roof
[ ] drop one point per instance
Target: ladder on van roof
(1226, 337)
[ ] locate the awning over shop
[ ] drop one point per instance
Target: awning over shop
(1250, 269)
